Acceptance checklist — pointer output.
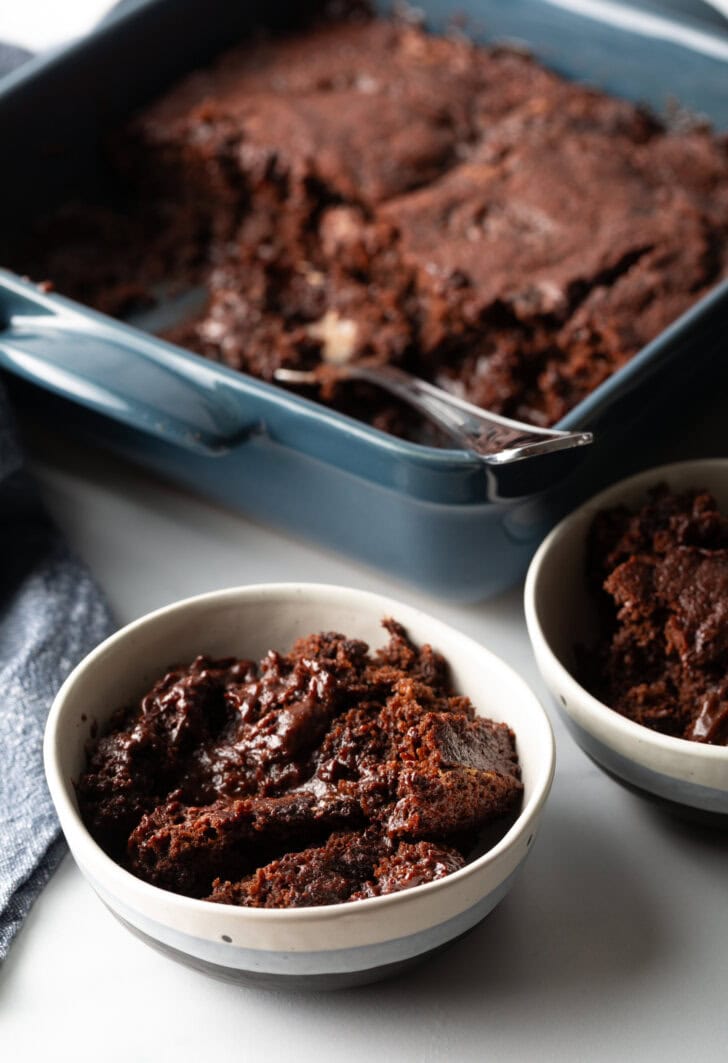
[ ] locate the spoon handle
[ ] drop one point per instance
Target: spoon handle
(496, 440)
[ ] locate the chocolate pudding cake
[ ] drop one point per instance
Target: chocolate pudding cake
(362, 189)
(324, 775)
(661, 578)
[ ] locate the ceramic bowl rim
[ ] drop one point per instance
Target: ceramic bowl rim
(128, 885)
(612, 720)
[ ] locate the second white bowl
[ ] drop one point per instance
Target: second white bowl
(560, 614)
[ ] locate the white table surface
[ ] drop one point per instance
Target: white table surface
(612, 945)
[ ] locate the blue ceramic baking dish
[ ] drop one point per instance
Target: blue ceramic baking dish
(435, 518)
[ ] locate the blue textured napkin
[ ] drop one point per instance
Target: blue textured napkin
(51, 615)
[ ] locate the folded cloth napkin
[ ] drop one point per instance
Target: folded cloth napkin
(51, 615)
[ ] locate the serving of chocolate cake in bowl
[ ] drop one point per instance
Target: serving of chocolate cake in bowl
(626, 611)
(321, 816)
(661, 577)
(318, 776)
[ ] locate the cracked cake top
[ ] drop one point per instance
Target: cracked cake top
(365, 190)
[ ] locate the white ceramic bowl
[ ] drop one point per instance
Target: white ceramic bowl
(560, 614)
(329, 946)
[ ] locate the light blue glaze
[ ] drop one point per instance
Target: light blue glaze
(681, 791)
(326, 961)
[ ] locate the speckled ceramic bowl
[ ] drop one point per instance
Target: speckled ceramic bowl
(560, 615)
(326, 947)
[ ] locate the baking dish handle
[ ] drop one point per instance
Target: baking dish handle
(114, 369)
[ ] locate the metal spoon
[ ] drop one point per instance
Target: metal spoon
(493, 439)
